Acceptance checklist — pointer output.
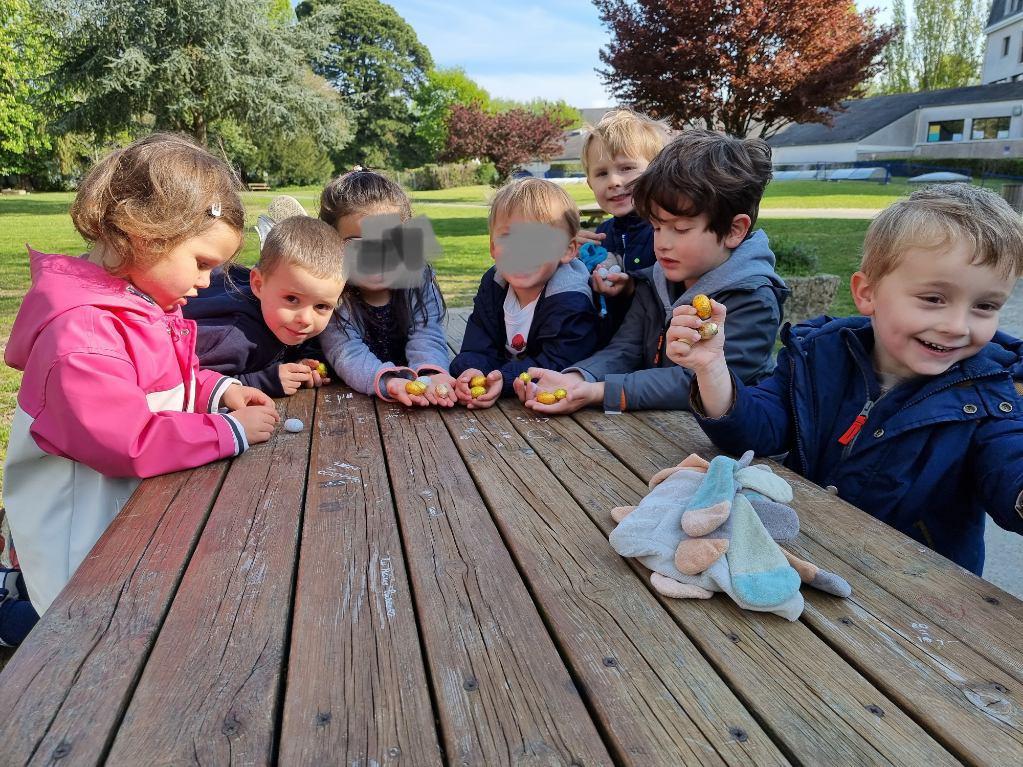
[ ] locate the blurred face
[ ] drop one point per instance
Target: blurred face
(296, 304)
(350, 229)
(185, 269)
(609, 178)
(933, 310)
(687, 249)
(527, 253)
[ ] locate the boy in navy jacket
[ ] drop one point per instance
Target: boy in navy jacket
(614, 154)
(533, 307)
(912, 412)
(255, 325)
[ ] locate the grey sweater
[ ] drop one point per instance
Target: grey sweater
(636, 372)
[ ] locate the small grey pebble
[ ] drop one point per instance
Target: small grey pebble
(293, 424)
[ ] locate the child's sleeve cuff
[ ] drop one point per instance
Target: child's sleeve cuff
(380, 382)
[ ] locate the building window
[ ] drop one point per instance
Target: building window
(990, 127)
(1005, 45)
(946, 130)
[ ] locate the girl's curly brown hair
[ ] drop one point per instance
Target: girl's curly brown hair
(141, 201)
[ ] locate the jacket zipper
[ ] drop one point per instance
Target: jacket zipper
(853, 432)
(795, 416)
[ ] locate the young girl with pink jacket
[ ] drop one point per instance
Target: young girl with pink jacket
(112, 391)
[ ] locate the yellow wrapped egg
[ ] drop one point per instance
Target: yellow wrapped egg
(708, 330)
(477, 391)
(546, 398)
(321, 369)
(477, 382)
(702, 305)
(560, 394)
(525, 377)
(415, 388)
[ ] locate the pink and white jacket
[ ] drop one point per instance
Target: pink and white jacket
(109, 396)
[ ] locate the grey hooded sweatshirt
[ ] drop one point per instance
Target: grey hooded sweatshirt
(636, 372)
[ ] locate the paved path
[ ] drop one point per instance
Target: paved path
(1004, 564)
(865, 213)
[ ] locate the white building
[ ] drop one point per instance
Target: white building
(1003, 56)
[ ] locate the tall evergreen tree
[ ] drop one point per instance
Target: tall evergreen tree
(187, 65)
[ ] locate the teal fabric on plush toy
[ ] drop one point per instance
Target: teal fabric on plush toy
(707, 528)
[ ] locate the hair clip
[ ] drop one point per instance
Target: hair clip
(215, 210)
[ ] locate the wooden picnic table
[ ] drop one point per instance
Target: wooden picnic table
(591, 214)
(396, 586)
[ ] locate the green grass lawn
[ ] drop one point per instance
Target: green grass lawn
(459, 218)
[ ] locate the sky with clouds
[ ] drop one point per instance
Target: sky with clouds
(530, 50)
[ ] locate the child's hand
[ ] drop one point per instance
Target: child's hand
(494, 387)
(317, 379)
(614, 284)
(294, 375)
(684, 345)
(242, 396)
(395, 386)
(441, 382)
(578, 392)
(584, 236)
(258, 421)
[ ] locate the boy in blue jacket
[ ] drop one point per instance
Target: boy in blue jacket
(533, 307)
(702, 195)
(614, 154)
(912, 412)
(254, 325)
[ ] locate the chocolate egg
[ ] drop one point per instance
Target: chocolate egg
(476, 381)
(702, 305)
(321, 369)
(525, 377)
(415, 388)
(546, 398)
(293, 425)
(708, 330)
(477, 391)
(560, 394)
(424, 380)
(441, 390)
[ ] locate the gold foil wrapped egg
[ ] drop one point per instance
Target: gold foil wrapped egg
(546, 398)
(321, 369)
(441, 390)
(477, 391)
(702, 305)
(525, 377)
(708, 330)
(560, 394)
(478, 382)
(415, 388)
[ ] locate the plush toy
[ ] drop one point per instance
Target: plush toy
(710, 527)
(592, 256)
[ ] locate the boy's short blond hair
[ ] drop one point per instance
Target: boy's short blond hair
(938, 215)
(625, 132)
(536, 199)
(305, 242)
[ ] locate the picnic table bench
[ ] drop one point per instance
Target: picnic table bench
(395, 586)
(591, 214)
(258, 187)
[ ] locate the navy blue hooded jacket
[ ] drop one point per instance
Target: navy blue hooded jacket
(232, 337)
(631, 238)
(933, 454)
(564, 326)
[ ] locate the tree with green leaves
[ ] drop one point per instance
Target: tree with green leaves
(432, 103)
(377, 63)
(190, 65)
(26, 54)
(560, 110)
(940, 47)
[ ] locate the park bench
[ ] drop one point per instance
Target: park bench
(258, 187)
(591, 214)
(394, 586)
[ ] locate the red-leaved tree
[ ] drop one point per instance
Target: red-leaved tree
(742, 66)
(507, 139)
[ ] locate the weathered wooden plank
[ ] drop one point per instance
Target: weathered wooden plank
(209, 691)
(503, 693)
(66, 688)
(655, 697)
(973, 707)
(811, 701)
(975, 612)
(356, 691)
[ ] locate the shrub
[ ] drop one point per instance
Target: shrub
(443, 176)
(795, 259)
(486, 173)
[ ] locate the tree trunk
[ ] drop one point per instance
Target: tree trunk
(199, 128)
